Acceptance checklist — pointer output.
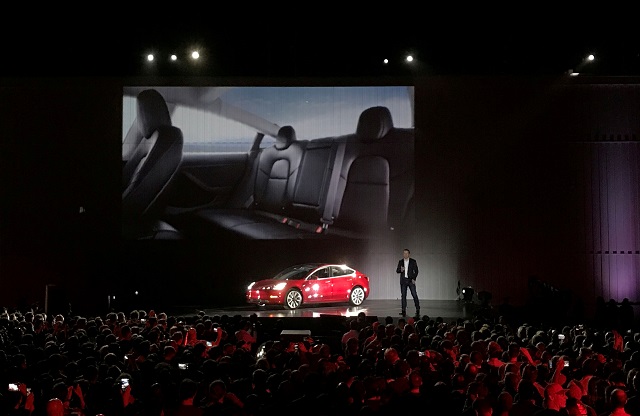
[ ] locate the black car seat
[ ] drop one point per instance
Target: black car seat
(375, 195)
(149, 170)
(277, 172)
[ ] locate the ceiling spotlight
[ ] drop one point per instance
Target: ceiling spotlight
(173, 57)
(150, 57)
(409, 58)
(195, 55)
(582, 66)
(385, 61)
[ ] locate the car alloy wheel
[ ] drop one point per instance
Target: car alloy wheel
(357, 296)
(293, 299)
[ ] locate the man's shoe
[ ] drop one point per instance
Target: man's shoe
(417, 313)
(403, 313)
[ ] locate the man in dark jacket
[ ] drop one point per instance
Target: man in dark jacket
(408, 271)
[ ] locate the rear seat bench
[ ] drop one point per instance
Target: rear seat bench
(273, 180)
(343, 187)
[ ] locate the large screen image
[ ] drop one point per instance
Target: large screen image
(287, 169)
(266, 162)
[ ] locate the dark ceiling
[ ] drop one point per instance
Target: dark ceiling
(485, 42)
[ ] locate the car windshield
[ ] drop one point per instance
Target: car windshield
(298, 272)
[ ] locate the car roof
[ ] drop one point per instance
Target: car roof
(316, 265)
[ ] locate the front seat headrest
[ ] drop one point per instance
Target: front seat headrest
(152, 112)
(374, 123)
(286, 135)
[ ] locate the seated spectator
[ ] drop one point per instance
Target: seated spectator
(482, 407)
(574, 400)
(354, 332)
(504, 404)
(618, 399)
(219, 401)
(246, 335)
(525, 401)
(187, 393)
(555, 400)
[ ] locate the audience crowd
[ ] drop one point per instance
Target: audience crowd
(149, 363)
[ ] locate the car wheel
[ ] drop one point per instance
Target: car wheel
(293, 299)
(357, 296)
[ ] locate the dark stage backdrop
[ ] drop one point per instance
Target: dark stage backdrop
(527, 189)
(530, 189)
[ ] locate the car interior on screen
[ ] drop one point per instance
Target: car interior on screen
(310, 283)
(267, 163)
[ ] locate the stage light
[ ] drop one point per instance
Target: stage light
(467, 294)
(582, 66)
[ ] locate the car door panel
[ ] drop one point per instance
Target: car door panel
(207, 180)
(321, 287)
(342, 284)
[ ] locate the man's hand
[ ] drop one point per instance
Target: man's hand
(413, 281)
(526, 354)
(127, 397)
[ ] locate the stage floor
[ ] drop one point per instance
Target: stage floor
(449, 310)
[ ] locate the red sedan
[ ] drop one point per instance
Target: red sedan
(311, 283)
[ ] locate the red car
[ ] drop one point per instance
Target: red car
(311, 283)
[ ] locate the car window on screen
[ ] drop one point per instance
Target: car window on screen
(206, 132)
(267, 141)
(128, 114)
(203, 132)
(227, 119)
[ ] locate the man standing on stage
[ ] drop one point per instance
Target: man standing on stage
(408, 270)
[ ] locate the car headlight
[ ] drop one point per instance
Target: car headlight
(251, 285)
(279, 286)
